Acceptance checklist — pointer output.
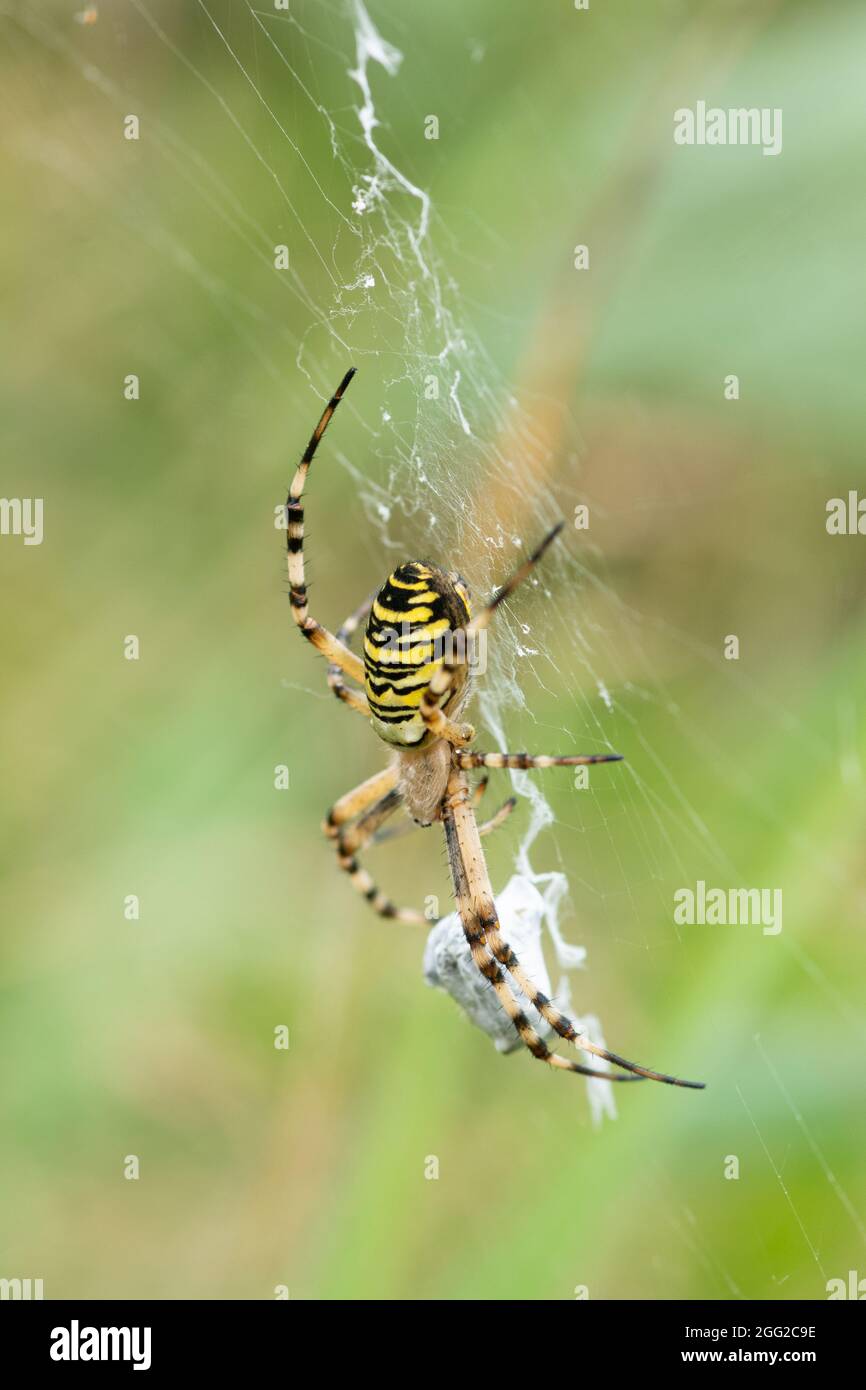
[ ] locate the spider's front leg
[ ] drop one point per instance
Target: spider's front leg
(360, 799)
(490, 951)
(354, 839)
(478, 915)
(373, 802)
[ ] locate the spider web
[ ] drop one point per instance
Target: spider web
(455, 451)
(456, 461)
(455, 466)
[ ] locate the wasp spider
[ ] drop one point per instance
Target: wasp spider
(411, 687)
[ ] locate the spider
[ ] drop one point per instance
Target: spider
(415, 679)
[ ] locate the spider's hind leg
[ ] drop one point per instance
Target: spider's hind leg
(324, 642)
(355, 699)
(446, 677)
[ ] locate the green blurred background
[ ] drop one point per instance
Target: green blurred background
(306, 1168)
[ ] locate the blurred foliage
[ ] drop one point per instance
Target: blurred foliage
(306, 1168)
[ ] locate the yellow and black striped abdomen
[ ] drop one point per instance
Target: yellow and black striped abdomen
(406, 640)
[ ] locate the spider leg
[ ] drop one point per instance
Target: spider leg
(499, 818)
(530, 760)
(436, 720)
(355, 699)
(325, 642)
(478, 791)
(482, 932)
(350, 842)
(483, 616)
(445, 677)
(373, 801)
(486, 828)
(394, 832)
(359, 799)
(478, 914)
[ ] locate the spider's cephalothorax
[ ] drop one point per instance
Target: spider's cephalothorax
(418, 651)
(410, 632)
